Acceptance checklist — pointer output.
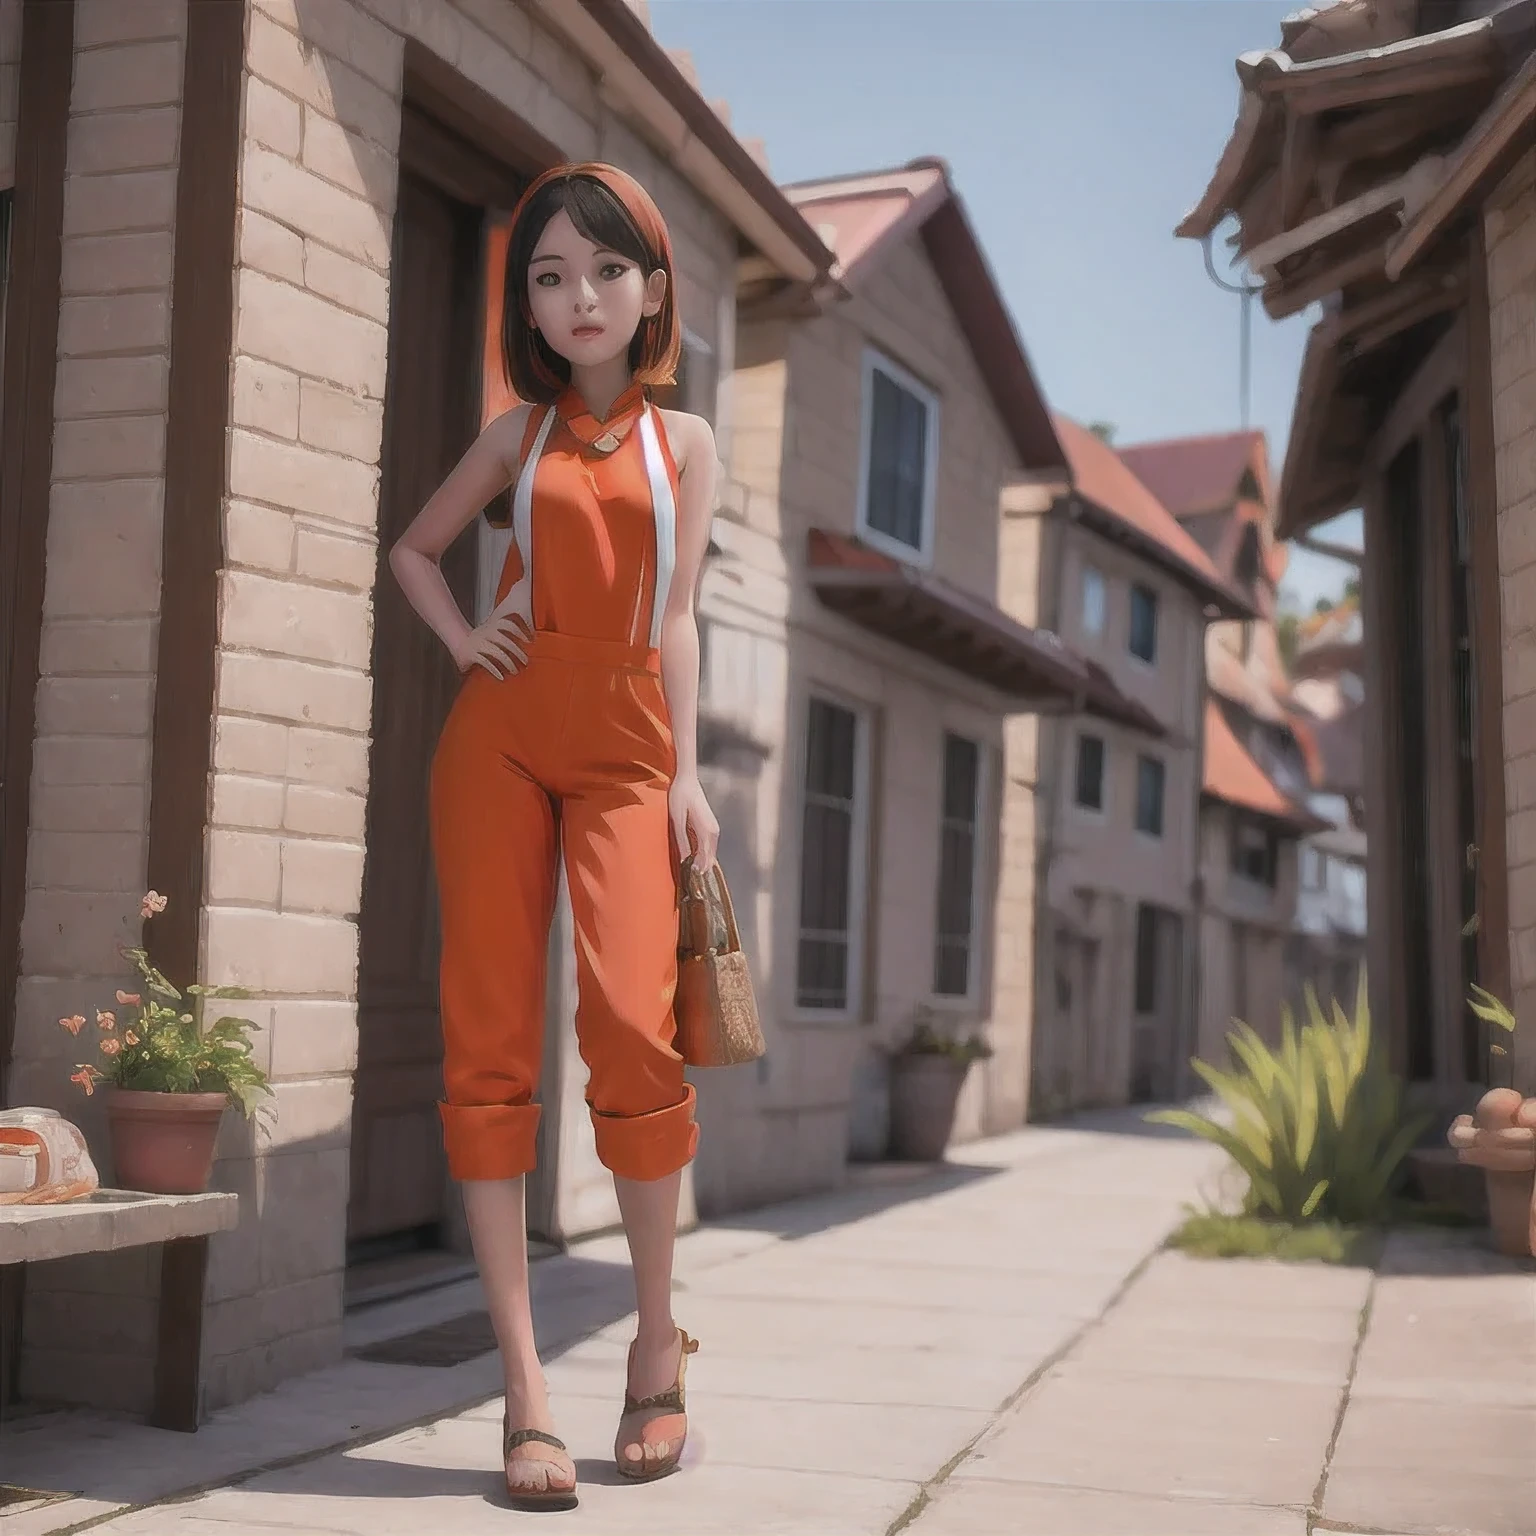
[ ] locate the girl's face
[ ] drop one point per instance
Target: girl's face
(587, 302)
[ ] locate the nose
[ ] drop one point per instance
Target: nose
(586, 296)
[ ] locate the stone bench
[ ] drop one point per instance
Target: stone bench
(101, 1223)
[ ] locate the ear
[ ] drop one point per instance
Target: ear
(655, 293)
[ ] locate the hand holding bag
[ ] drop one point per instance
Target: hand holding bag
(717, 1022)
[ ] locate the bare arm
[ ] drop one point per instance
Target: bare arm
(695, 444)
(487, 467)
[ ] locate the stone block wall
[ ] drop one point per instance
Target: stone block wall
(88, 844)
(1510, 226)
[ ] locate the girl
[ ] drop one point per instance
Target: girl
(574, 734)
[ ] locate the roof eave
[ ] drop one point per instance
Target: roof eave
(635, 71)
(1227, 603)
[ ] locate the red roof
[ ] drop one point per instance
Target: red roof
(1100, 475)
(1199, 474)
(1232, 776)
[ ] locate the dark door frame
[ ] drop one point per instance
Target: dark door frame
(31, 331)
(472, 148)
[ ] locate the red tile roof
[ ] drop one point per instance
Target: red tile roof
(1100, 476)
(1198, 474)
(1233, 777)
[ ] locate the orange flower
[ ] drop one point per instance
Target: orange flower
(153, 902)
(86, 1077)
(129, 1038)
(105, 1020)
(74, 1023)
(129, 999)
(112, 1046)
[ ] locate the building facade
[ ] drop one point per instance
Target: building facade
(1104, 565)
(1412, 217)
(861, 645)
(213, 687)
(1221, 490)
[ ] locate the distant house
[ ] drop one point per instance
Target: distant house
(1219, 487)
(1383, 164)
(854, 635)
(1117, 803)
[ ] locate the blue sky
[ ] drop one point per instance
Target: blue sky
(1078, 132)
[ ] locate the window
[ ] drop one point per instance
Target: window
(1255, 851)
(1090, 773)
(954, 954)
(1093, 601)
(1146, 959)
(1143, 637)
(1150, 778)
(831, 858)
(899, 452)
(1248, 553)
(1248, 488)
(1314, 869)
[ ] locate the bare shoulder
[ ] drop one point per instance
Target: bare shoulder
(504, 434)
(691, 437)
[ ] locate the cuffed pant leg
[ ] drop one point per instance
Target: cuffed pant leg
(619, 866)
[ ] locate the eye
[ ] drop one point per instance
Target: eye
(612, 271)
(548, 280)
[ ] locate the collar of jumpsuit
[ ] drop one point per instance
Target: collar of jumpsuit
(606, 434)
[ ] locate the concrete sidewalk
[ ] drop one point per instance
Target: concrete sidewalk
(993, 1347)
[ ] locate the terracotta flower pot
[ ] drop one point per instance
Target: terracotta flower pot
(162, 1143)
(1500, 1138)
(925, 1091)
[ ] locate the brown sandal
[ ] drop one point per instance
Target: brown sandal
(530, 1499)
(673, 1400)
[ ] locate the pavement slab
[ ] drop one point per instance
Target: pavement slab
(976, 1507)
(1194, 1438)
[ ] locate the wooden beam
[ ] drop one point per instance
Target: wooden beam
(1291, 298)
(202, 323)
(1421, 84)
(1379, 199)
(1493, 958)
(1298, 166)
(1406, 317)
(27, 375)
(1503, 133)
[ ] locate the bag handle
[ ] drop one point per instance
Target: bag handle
(697, 897)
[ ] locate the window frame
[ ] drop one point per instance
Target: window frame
(1242, 825)
(1138, 588)
(1092, 573)
(1145, 759)
(1101, 810)
(977, 956)
(852, 1010)
(874, 361)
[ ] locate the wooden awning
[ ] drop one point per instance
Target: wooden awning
(937, 619)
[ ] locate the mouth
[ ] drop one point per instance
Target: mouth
(586, 332)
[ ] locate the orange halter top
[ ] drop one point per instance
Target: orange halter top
(603, 524)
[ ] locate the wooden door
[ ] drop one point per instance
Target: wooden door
(399, 1176)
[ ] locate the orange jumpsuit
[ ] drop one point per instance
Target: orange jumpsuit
(570, 755)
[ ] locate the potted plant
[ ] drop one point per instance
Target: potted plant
(1499, 1137)
(927, 1072)
(169, 1075)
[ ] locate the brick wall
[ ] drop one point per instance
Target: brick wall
(87, 847)
(1511, 239)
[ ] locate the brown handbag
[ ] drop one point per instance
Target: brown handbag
(717, 1022)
